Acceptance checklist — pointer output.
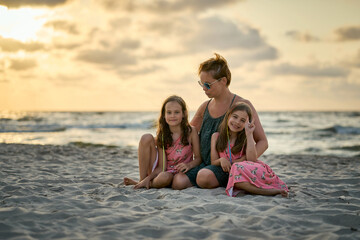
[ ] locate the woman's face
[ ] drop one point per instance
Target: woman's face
(206, 78)
(173, 113)
(237, 120)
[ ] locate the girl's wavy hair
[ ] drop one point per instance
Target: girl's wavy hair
(222, 142)
(217, 67)
(164, 135)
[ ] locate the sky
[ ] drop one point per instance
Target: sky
(129, 55)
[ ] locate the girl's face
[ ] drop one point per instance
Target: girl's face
(237, 120)
(173, 113)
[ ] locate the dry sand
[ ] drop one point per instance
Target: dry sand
(72, 192)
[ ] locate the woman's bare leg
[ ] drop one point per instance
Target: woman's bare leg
(248, 187)
(181, 181)
(207, 179)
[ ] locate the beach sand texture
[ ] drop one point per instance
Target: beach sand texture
(71, 192)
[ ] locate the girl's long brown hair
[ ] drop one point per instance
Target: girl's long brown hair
(240, 142)
(164, 135)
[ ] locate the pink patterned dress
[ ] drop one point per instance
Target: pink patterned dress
(178, 153)
(257, 173)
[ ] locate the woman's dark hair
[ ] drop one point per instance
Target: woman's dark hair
(217, 67)
(222, 142)
(164, 135)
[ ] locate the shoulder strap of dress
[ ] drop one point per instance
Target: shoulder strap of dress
(232, 101)
(207, 105)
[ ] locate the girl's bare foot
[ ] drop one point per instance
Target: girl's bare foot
(284, 193)
(129, 181)
(274, 192)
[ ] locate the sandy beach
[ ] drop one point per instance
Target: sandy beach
(76, 192)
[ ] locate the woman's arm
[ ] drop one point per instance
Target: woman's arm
(195, 142)
(198, 117)
(214, 155)
(259, 133)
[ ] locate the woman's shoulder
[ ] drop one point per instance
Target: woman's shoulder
(198, 117)
(239, 99)
(202, 107)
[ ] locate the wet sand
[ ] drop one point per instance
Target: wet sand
(72, 192)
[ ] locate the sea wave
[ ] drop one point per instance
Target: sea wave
(355, 148)
(18, 128)
(27, 129)
(342, 129)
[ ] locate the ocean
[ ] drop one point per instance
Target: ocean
(314, 133)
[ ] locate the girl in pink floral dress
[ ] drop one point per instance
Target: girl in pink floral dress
(233, 148)
(175, 148)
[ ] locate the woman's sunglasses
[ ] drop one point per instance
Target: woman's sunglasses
(207, 85)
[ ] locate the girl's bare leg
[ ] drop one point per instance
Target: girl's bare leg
(259, 191)
(207, 179)
(181, 181)
(146, 157)
(129, 181)
(162, 180)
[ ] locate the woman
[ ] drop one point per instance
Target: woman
(215, 78)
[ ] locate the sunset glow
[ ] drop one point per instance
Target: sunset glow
(130, 55)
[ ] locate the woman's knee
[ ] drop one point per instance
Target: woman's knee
(181, 181)
(206, 179)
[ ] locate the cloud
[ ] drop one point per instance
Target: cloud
(66, 46)
(302, 37)
(136, 71)
(22, 64)
(163, 6)
(32, 3)
(353, 62)
(347, 33)
(310, 71)
(263, 53)
(63, 26)
(221, 34)
(113, 5)
(120, 23)
(178, 35)
(12, 45)
(113, 57)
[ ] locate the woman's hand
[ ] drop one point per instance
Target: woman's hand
(225, 164)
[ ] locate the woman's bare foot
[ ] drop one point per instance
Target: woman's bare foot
(129, 181)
